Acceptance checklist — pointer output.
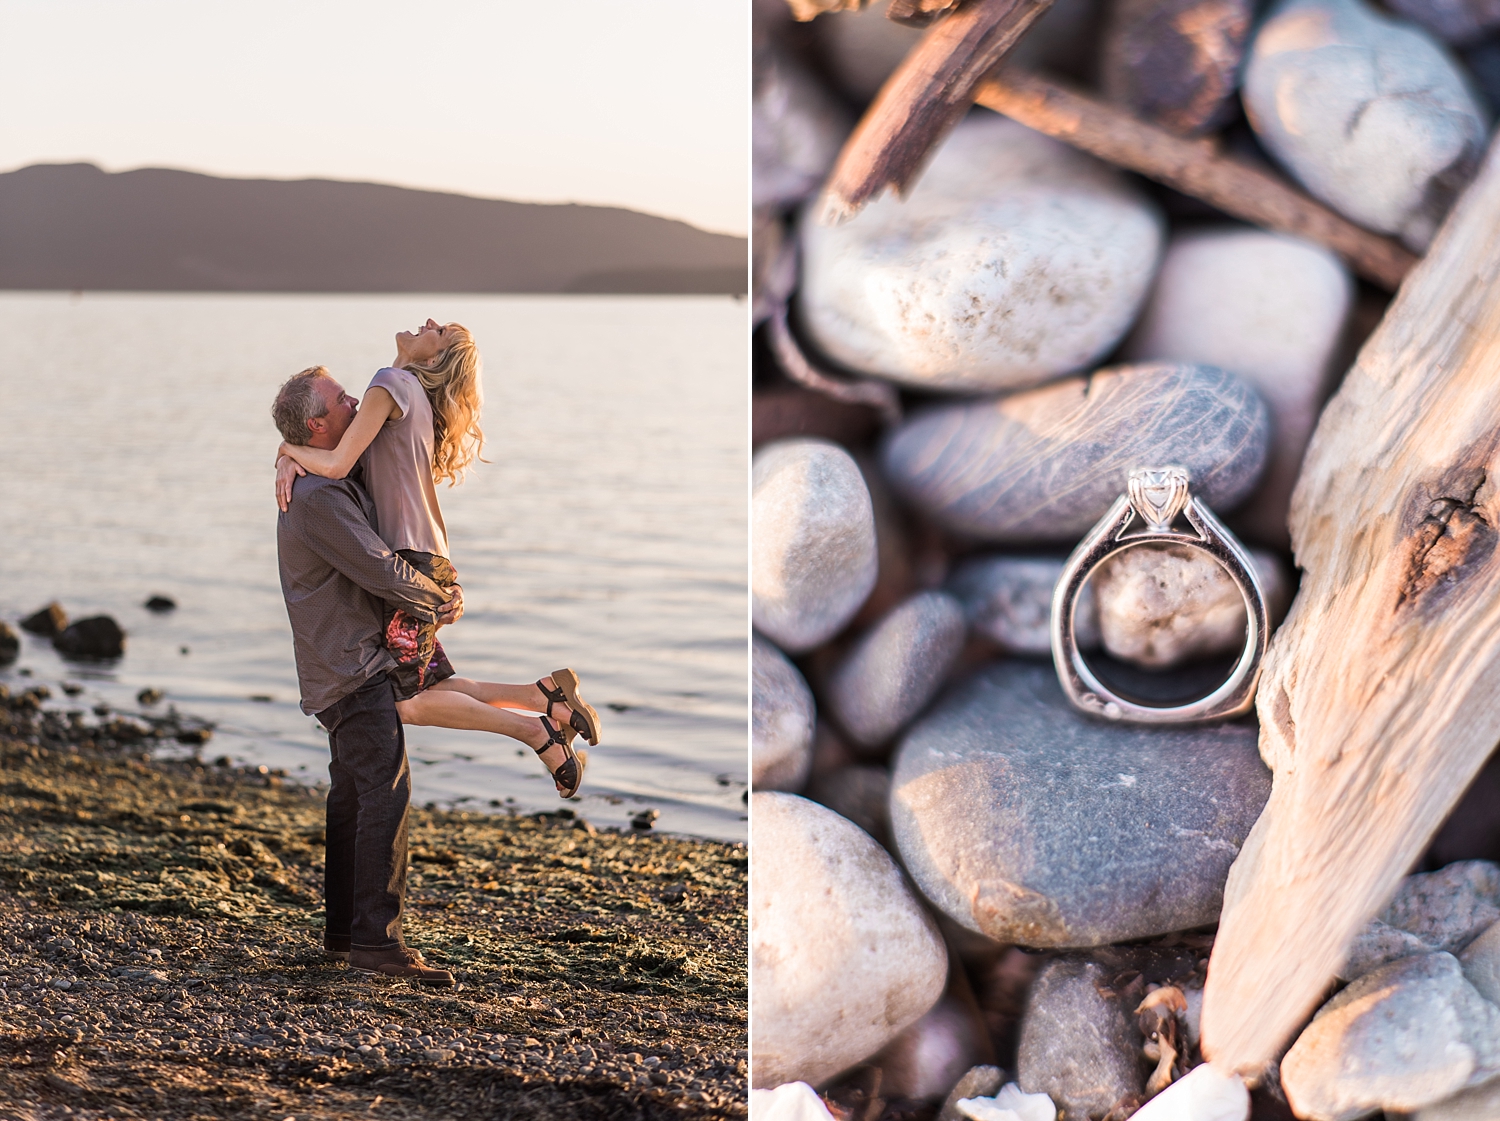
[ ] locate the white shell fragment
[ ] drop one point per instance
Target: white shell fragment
(1010, 1104)
(1203, 1094)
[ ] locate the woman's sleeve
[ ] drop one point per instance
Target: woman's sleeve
(398, 384)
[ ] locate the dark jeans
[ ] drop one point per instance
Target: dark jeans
(364, 877)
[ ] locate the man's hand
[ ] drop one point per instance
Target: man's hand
(453, 610)
(287, 470)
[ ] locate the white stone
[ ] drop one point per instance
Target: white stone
(926, 1060)
(791, 1101)
(796, 131)
(782, 720)
(1160, 606)
(843, 957)
(812, 551)
(1268, 307)
(1010, 1104)
(896, 668)
(1014, 260)
(1403, 1037)
(1369, 113)
(1205, 1093)
(1482, 1103)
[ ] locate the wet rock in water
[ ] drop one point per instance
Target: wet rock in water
(1009, 601)
(97, 637)
(1161, 605)
(843, 957)
(1203, 1094)
(1024, 820)
(858, 792)
(1460, 22)
(149, 696)
(1370, 114)
(1403, 1037)
(1269, 308)
(782, 718)
(645, 819)
(813, 556)
(926, 1060)
(1482, 1103)
(978, 1082)
(1043, 466)
(1078, 1046)
(1177, 62)
(10, 644)
(796, 130)
(1481, 964)
(49, 622)
(895, 669)
(1013, 260)
(1442, 910)
(161, 603)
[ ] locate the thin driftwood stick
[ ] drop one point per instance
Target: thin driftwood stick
(1381, 694)
(1192, 167)
(881, 396)
(921, 101)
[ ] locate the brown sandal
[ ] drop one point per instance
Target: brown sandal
(581, 715)
(569, 774)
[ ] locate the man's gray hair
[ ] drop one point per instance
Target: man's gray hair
(297, 402)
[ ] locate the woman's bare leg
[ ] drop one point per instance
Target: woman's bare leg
(498, 694)
(449, 708)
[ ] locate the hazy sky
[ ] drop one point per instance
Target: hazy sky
(638, 103)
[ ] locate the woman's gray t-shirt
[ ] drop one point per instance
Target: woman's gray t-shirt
(398, 469)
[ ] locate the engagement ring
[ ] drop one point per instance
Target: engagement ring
(1157, 495)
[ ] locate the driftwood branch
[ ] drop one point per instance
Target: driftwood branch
(1381, 695)
(880, 395)
(1192, 167)
(921, 101)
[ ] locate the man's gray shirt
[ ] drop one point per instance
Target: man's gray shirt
(335, 571)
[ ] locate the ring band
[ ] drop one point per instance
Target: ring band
(1157, 495)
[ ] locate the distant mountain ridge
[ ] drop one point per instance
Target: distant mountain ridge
(74, 226)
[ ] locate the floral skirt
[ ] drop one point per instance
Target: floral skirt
(420, 661)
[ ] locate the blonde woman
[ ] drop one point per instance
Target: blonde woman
(418, 426)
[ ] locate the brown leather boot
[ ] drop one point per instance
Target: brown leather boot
(399, 961)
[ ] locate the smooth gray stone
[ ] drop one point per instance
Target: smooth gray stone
(1176, 62)
(1406, 1036)
(1481, 963)
(1023, 819)
(895, 669)
(796, 130)
(782, 719)
(1009, 601)
(927, 1060)
(1369, 113)
(812, 550)
(1077, 1045)
(1442, 910)
(1043, 466)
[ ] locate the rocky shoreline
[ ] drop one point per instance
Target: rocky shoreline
(160, 921)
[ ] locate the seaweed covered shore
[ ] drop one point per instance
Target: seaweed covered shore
(160, 954)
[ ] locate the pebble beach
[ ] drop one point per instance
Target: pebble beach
(162, 958)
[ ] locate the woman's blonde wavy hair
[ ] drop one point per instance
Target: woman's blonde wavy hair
(452, 385)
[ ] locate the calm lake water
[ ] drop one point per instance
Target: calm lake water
(607, 532)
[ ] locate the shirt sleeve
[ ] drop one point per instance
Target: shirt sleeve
(345, 541)
(398, 383)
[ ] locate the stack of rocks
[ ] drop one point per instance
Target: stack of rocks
(951, 866)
